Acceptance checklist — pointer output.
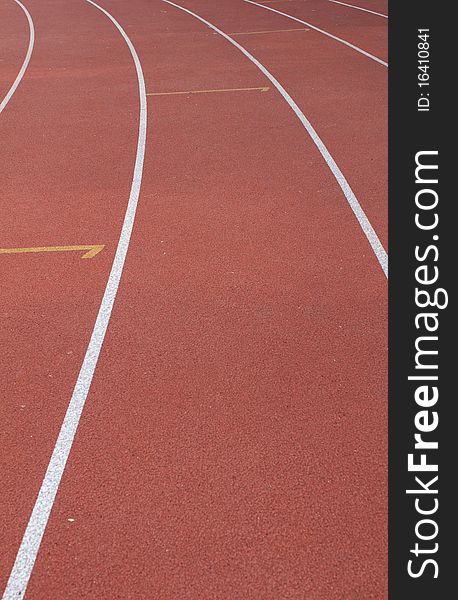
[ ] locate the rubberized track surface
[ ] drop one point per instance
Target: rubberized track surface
(233, 442)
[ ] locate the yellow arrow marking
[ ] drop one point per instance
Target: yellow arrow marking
(270, 31)
(258, 89)
(90, 250)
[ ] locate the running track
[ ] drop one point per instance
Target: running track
(233, 441)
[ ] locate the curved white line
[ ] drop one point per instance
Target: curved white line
(28, 550)
(359, 8)
(334, 37)
(367, 228)
(25, 64)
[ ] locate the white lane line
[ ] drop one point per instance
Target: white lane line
(25, 64)
(367, 228)
(334, 37)
(359, 8)
(28, 550)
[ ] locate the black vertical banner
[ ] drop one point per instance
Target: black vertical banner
(422, 327)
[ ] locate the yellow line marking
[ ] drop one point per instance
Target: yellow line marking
(90, 250)
(270, 31)
(253, 89)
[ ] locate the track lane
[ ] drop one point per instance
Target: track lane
(5, 53)
(356, 7)
(233, 401)
(335, 95)
(375, 5)
(28, 550)
(367, 33)
(59, 187)
(355, 206)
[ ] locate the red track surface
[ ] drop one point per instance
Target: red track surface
(360, 28)
(13, 44)
(233, 444)
(380, 6)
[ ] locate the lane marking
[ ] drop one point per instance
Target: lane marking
(334, 37)
(25, 64)
(91, 250)
(270, 31)
(364, 222)
(28, 550)
(251, 89)
(359, 8)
